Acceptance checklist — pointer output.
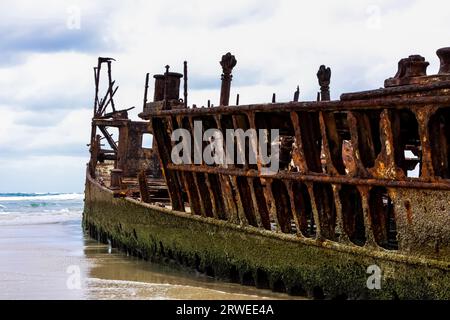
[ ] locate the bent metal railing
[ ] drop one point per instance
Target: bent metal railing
(367, 199)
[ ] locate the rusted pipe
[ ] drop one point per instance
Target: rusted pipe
(314, 177)
(228, 62)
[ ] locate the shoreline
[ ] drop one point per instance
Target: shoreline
(38, 260)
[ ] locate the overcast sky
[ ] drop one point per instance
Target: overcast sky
(48, 49)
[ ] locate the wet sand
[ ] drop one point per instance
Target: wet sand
(57, 261)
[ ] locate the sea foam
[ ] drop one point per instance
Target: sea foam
(40, 196)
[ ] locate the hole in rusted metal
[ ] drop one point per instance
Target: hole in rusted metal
(383, 218)
(439, 128)
(348, 157)
(147, 140)
(282, 122)
(407, 148)
(352, 214)
(324, 199)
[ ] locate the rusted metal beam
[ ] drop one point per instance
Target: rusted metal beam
(143, 187)
(108, 137)
(413, 183)
(146, 89)
(337, 105)
(185, 84)
(111, 83)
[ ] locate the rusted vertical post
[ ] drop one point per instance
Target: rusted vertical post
(94, 149)
(298, 153)
(96, 79)
(370, 237)
(255, 203)
(146, 89)
(296, 94)
(268, 194)
(332, 141)
(228, 62)
(317, 217)
(185, 77)
(143, 187)
(343, 236)
(295, 213)
(110, 85)
(324, 75)
(423, 115)
(166, 83)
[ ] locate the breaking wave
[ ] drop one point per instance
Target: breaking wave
(39, 208)
(14, 219)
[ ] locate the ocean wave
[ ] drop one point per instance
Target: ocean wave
(55, 216)
(40, 196)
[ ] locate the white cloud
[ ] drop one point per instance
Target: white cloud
(46, 96)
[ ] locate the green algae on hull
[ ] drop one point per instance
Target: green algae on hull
(257, 257)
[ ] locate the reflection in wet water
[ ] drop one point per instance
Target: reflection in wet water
(117, 276)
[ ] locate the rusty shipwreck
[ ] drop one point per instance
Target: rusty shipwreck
(362, 181)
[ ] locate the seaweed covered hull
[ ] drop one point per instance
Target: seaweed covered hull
(361, 185)
(256, 257)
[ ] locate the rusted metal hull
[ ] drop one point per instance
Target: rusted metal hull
(364, 178)
(358, 203)
(252, 256)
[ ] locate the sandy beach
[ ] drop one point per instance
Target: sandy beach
(44, 256)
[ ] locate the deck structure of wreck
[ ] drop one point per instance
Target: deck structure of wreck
(363, 184)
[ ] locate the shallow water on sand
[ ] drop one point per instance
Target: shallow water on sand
(45, 255)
